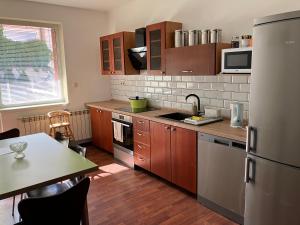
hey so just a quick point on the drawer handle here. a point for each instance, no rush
(187, 71)
(141, 159)
(139, 134)
(141, 122)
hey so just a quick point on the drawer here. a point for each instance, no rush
(142, 137)
(140, 124)
(142, 149)
(142, 161)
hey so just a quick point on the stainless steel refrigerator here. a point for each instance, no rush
(272, 171)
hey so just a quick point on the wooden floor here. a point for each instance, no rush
(122, 196)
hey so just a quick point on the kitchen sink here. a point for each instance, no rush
(175, 116)
(186, 118)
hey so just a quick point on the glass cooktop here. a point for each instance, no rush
(129, 109)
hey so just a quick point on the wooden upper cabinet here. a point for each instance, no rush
(195, 60)
(160, 158)
(184, 158)
(114, 54)
(159, 37)
(102, 133)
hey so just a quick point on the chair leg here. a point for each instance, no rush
(70, 132)
(13, 206)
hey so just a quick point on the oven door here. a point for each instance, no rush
(237, 60)
(127, 130)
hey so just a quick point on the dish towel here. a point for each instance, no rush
(118, 132)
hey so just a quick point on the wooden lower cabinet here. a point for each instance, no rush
(160, 158)
(102, 132)
(184, 158)
(173, 154)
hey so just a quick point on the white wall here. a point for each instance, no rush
(81, 29)
(232, 16)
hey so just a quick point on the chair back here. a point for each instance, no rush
(10, 134)
(59, 117)
(63, 208)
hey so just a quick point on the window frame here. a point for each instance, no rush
(60, 54)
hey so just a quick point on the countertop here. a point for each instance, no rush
(221, 129)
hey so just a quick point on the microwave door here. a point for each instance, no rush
(237, 61)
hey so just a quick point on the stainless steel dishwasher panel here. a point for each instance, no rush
(221, 175)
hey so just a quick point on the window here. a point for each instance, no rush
(31, 65)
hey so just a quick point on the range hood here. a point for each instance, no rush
(138, 55)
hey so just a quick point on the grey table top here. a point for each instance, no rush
(46, 161)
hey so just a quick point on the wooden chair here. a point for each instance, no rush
(63, 208)
(60, 122)
(13, 133)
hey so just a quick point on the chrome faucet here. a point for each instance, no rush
(198, 101)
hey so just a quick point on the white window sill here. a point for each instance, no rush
(34, 106)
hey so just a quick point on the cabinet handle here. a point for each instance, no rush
(140, 147)
(187, 71)
(173, 129)
(162, 72)
(141, 159)
(167, 127)
(100, 111)
(139, 134)
(141, 122)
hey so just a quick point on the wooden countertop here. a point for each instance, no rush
(221, 129)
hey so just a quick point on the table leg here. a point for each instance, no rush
(85, 215)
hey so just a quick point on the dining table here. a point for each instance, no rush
(46, 162)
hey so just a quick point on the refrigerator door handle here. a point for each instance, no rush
(251, 139)
(249, 170)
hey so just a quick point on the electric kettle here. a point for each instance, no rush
(236, 114)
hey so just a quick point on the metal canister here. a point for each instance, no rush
(185, 38)
(215, 35)
(205, 36)
(178, 38)
(193, 37)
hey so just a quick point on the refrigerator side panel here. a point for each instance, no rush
(273, 196)
(275, 91)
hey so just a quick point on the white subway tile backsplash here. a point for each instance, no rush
(240, 79)
(170, 91)
(231, 87)
(240, 96)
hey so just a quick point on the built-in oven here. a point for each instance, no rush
(236, 60)
(123, 138)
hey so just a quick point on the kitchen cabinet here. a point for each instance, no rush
(159, 37)
(195, 60)
(141, 143)
(114, 56)
(173, 154)
(102, 132)
(161, 150)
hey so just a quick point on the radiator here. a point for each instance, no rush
(80, 125)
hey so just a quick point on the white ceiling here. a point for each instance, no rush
(100, 5)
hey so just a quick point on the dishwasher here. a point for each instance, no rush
(220, 184)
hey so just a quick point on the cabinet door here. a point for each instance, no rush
(160, 158)
(117, 43)
(106, 131)
(105, 52)
(156, 43)
(95, 124)
(183, 154)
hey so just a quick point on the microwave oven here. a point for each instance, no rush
(236, 60)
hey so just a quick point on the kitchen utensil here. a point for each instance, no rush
(205, 36)
(178, 38)
(193, 37)
(236, 114)
(215, 35)
(185, 38)
(18, 148)
(138, 102)
(235, 42)
(246, 41)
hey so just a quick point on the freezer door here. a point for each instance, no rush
(275, 91)
(272, 193)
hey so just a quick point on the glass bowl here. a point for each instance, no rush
(18, 148)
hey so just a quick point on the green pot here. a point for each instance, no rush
(138, 102)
